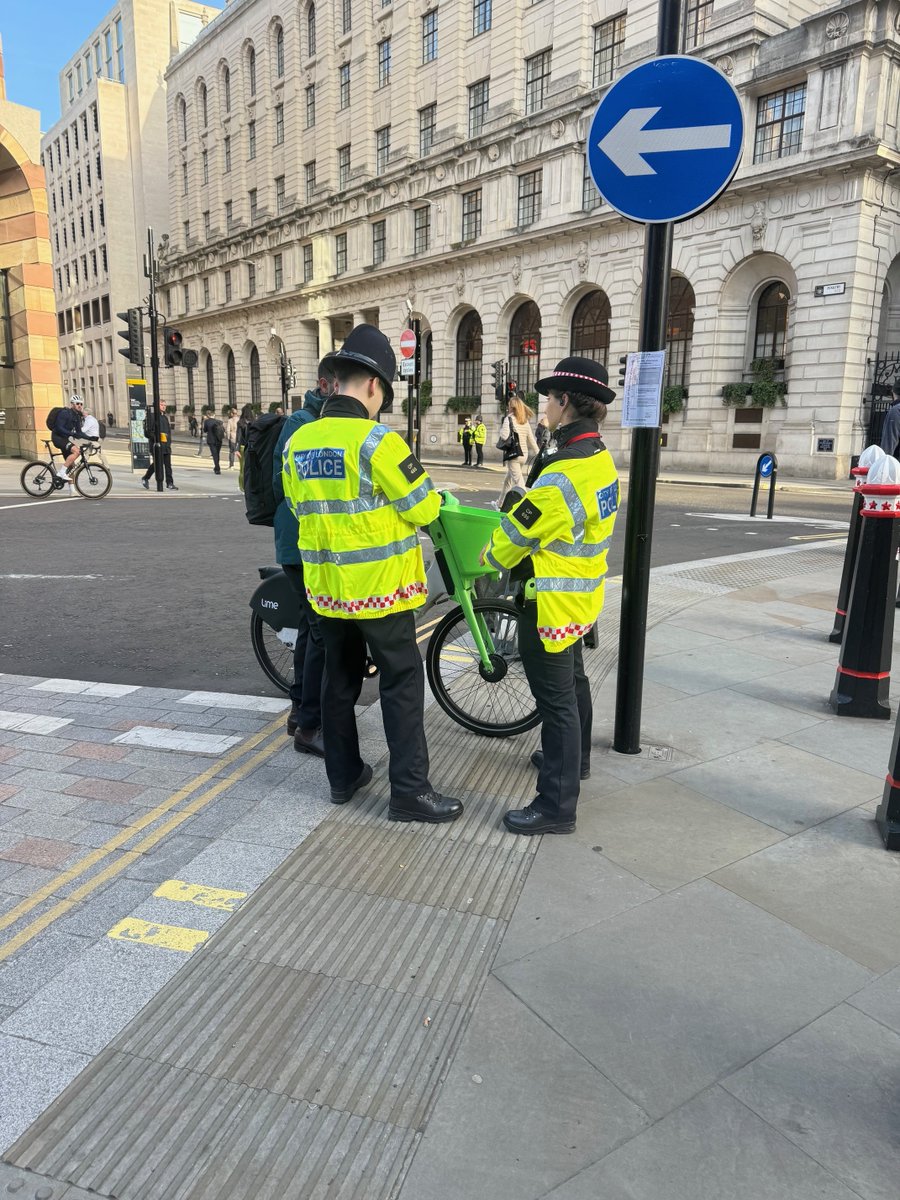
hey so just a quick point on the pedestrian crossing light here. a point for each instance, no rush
(133, 335)
(499, 370)
(172, 340)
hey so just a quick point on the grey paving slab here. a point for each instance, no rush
(862, 745)
(35, 964)
(519, 1112)
(634, 768)
(28, 1186)
(167, 859)
(701, 670)
(110, 812)
(91, 999)
(832, 1090)
(712, 1148)
(45, 825)
(37, 800)
(102, 770)
(8, 813)
(792, 647)
(805, 688)
(8, 772)
(31, 1077)
(95, 916)
(25, 880)
(282, 823)
(781, 785)
(881, 1000)
(219, 816)
(37, 760)
(668, 997)
(47, 781)
(228, 864)
(829, 881)
(569, 887)
(673, 639)
(668, 834)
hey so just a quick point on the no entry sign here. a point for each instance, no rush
(407, 343)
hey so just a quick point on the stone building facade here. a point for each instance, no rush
(346, 160)
(106, 175)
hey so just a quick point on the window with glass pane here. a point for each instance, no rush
(590, 197)
(537, 78)
(310, 106)
(187, 232)
(346, 15)
(430, 36)
(184, 179)
(779, 123)
(770, 338)
(204, 106)
(120, 50)
(251, 280)
(343, 166)
(279, 52)
(279, 271)
(251, 71)
(340, 253)
(206, 225)
(6, 350)
(107, 38)
(229, 213)
(231, 380)
(344, 85)
(311, 31)
(427, 126)
(251, 140)
(228, 292)
(525, 346)
(471, 215)
(210, 386)
(590, 327)
(479, 96)
(421, 230)
(309, 174)
(481, 16)
(307, 263)
(530, 197)
(204, 159)
(469, 356)
(382, 149)
(186, 299)
(279, 124)
(206, 291)
(182, 121)
(384, 63)
(227, 148)
(696, 20)
(679, 333)
(280, 199)
(379, 242)
(226, 88)
(609, 38)
(254, 203)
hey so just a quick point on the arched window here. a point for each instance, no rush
(525, 346)
(231, 376)
(468, 356)
(770, 339)
(204, 106)
(210, 386)
(679, 332)
(182, 118)
(190, 386)
(427, 356)
(311, 30)
(590, 327)
(251, 71)
(226, 89)
(279, 52)
(255, 381)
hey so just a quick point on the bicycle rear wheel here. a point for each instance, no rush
(273, 653)
(37, 479)
(92, 481)
(495, 704)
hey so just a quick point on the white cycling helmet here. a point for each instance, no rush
(76, 399)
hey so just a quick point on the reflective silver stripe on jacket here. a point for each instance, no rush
(416, 496)
(556, 584)
(326, 508)
(366, 453)
(580, 549)
(565, 485)
(367, 554)
(519, 539)
(489, 558)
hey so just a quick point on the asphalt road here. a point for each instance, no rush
(154, 590)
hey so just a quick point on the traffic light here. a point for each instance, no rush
(499, 370)
(623, 367)
(511, 388)
(172, 341)
(133, 334)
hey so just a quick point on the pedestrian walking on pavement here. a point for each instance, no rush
(516, 440)
(359, 494)
(563, 527)
(304, 723)
(214, 432)
(244, 421)
(890, 430)
(479, 437)
(465, 438)
(162, 437)
(192, 425)
(231, 433)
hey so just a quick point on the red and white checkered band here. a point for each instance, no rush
(377, 603)
(551, 633)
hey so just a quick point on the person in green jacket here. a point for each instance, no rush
(479, 437)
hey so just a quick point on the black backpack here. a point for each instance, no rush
(259, 464)
(51, 417)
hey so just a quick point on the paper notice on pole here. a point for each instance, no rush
(643, 390)
(407, 366)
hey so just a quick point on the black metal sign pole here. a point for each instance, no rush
(417, 329)
(156, 448)
(644, 460)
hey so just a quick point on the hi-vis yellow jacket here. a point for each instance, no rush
(358, 495)
(565, 524)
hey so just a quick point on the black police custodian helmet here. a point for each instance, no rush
(367, 347)
(576, 374)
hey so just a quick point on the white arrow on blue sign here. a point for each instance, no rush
(766, 464)
(666, 139)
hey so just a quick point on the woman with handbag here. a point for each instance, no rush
(516, 440)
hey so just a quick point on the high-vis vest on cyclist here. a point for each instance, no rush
(565, 524)
(358, 495)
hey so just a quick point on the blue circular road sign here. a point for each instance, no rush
(666, 139)
(766, 463)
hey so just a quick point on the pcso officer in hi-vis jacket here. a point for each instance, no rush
(358, 495)
(563, 527)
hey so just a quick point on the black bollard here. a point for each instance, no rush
(864, 670)
(888, 815)
(850, 553)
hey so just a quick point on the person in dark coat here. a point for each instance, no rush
(890, 430)
(164, 439)
(214, 431)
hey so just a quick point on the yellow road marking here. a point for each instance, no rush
(129, 856)
(170, 937)
(196, 893)
(425, 631)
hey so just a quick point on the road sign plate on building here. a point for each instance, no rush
(407, 343)
(666, 139)
(407, 367)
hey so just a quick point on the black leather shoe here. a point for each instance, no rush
(537, 760)
(170, 487)
(342, 795)
(309, 741)
(146, 483)
(430, 807)
(293, 720)
(530, 821)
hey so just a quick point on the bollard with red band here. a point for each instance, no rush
(887, 817)
(867, 459)
(864, 669)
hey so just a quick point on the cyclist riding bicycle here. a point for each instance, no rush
(69, 425)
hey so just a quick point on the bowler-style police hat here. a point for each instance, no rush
(367, 347)
(576, 374)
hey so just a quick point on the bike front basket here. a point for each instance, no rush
(462, 534)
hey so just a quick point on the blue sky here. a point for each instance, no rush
(38, 37)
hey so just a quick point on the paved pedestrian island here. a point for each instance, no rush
(694, 997)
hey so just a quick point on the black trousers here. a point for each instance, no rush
(309, 656)
(479, 450)
(215, 449)
(392, 644)
(563, 697)
(467, 454)
(166, 455)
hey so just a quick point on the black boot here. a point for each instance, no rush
(293, 719)
(342, 795)
(537, 760)
(430, 807)
(530, 821)
(309, 741)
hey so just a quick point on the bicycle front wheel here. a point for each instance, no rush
(274, 651)
(37, 479)
(495, 703)
(92, 481)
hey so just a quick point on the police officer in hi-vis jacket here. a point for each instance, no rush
(358, 495)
